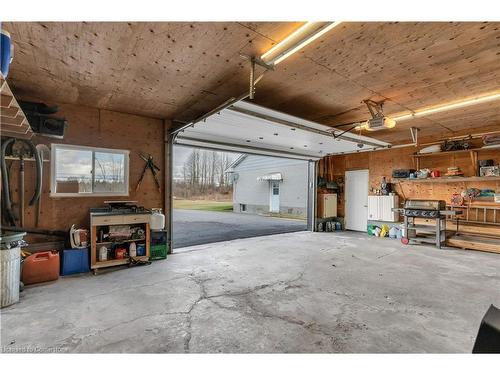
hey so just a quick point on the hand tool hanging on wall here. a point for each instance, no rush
(19, 148)
(151, 166)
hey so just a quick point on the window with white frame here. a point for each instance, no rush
(84, 171)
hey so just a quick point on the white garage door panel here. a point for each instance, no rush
(237, 146)
(243, 130)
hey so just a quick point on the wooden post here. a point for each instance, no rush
(473, 158)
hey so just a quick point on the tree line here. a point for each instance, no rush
(203, 174)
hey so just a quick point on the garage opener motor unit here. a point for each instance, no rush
(378, 121)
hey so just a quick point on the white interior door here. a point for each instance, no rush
(274, 200)
(356, 200)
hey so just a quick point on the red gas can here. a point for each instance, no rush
(40, 267)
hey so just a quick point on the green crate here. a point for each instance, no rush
(157, 252)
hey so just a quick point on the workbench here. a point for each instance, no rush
(102, 221)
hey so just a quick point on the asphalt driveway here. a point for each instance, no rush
(196, 227)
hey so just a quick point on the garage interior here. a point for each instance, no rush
(399, 123)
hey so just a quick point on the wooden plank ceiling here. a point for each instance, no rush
(181, 70)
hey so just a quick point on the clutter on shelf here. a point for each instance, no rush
(403, 173)
(458, 144)
(490, 171)
(491, 140)
(385, 187)
(430, 149)
(454, 171)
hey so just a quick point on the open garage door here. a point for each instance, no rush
(251, 129)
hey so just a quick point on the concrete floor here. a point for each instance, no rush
(195, 227)
(300, 292)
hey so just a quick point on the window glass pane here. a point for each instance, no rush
(109, 172)
(73, 171)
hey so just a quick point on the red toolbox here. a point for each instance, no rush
(40, 267)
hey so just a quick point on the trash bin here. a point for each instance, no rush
(10, 265)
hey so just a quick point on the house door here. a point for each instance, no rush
(356, 200)
(274, 200)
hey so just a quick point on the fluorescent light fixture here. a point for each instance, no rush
(484, 98)
(297, 40)
(361, 125)
(450, 106)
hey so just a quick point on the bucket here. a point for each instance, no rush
(6, 52)
(10, 265)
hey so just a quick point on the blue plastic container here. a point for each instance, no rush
(141, 250)
(5, 52)
(74, 261)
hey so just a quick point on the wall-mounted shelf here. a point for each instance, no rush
(116, 262)
(121, 241)
(455, 152)
(472, 152)
(449, 180)
(12, 120)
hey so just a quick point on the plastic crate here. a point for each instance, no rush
(157, 252)
(74, 261)
(158, 237)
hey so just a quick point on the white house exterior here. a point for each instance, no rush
(263, 184)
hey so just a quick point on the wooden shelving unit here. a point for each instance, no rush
(447, 180)
(455, 152)
(102, 220)
(122, 241)
(472, 151)
(12, 119)
(476, 229)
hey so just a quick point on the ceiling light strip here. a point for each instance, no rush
(449, 106)
(297, 40)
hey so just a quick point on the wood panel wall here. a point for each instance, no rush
(97, 128)
(381, 163)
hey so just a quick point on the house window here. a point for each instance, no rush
(243, 207)
(88, 171)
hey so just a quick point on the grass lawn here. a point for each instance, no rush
(203, 205)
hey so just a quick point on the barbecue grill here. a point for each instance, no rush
(425, 209)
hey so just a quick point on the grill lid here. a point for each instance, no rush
(425, 204)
